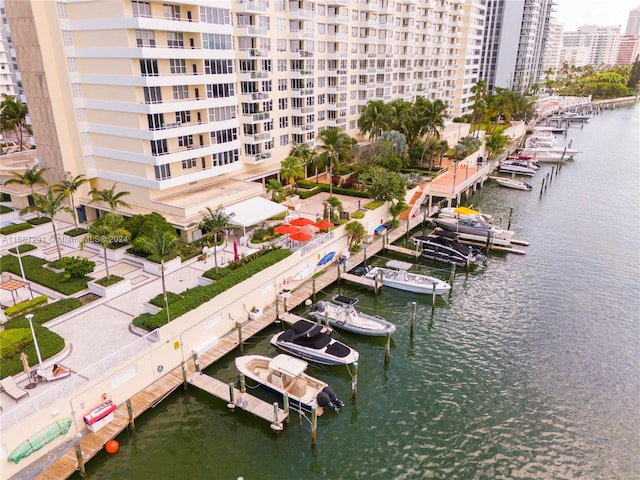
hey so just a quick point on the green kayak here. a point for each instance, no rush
(40, 439)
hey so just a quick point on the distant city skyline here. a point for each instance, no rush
(575, 13)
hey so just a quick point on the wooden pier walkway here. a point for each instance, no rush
(245, 401)
(415, 253)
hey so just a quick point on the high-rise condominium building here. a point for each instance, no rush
(9, 74)
(591, 45)
(551, 57)
(628, 50)
(633, 22)
(183, 103)
(515, 36)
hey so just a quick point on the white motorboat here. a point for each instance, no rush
(463, 212)
(285, 375)
(544, 155)
(346, 317)
(472, 225)
(398, 277)
(512, 183)
(517, 167)
(576, 117)
(311, 341)
(442, 246)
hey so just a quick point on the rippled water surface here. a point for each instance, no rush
(530, 370)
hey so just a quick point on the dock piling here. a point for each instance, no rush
(354, 382)
(232, 396)
(130, 413)
(240, 342)
(243, 385)
(196, 362)
(542, 188)
(452, 275)
(314, 424)
(184, 374)
(510, 215)
(285, 406)
(433, 297)
(413, 318)
(80, 458)
(387, 349)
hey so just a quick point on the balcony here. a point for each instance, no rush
(257, 117)
(303, 92)
(301, 35)
(301, 13)
(252, 6)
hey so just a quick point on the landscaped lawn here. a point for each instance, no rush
(33, 271)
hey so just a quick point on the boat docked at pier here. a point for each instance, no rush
(285, 375)
(346, 317)
(512, 183)
(462, 212)
(397, 276)
(472, 225)
(516, 166)
(443, 247)
(313, 342)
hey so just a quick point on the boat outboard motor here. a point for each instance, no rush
(328, 399)
(319, 307)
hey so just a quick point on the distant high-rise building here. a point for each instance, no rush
(551, 56)
(591, 45)
(633, 22)
(628, 50)
(515, 37)
(9, 74)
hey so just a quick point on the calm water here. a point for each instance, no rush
(530, 369)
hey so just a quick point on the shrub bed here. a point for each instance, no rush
(338, 190)
(5, 209)
(158, 300)
(34, 272)
(110, 280)
(195, 297)
(76, 232)
(25, 247)
(26, 306)
(16, 227)
(39, 220)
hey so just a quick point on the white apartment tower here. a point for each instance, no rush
(591, 45)
(9, 74)
(181, 102)
(515, 37)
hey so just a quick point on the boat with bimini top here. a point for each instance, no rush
(396, 276)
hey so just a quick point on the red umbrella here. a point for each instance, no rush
(324, 224)
(300, 237)
(301, 221)
(286, 229)
(236, 257)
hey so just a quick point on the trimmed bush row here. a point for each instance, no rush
(16, 227)
(33, 271)
(39, 220)
(75, 232)
(339, 190)
(5, 209)
(195, 297)
(25, 306)
(25, 247)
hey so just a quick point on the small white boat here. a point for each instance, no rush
(576, 117)
(346, 317)
(398, 277)
(286, 375)
(514, 166)
(544, 154)
(463, 212)
(512, 183)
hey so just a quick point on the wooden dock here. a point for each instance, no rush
(415, 253)
(245, 401)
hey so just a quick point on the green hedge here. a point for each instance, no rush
(47, 312)
(26, 306)
(13, 341)
(158, 300)
(195, 297)
(39, 220)
(110, 280)
(25, 247)
(5, 209)
(338, 190)
(34, 272)
(75, 232)
(16, 227)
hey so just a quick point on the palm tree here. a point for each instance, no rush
(50, 205)
(356, 233)
(164, 245)
(291, 170)
(374, 118)
(335, 146)
(105, 231)
(31, 176)
(14, 116)
(69, 186)
(434, 114)
(495, 143)
(110, 197)
(275, 187)
(304, 153)
(215, 222)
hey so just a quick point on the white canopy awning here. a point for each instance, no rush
(253, 211)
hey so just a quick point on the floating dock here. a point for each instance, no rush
(267, 411)
(405, 251)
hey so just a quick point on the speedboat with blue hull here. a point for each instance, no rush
(285, 375)
(346, 317)
(445, 248)
(313, 342)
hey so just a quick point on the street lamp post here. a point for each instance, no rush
(29, 317)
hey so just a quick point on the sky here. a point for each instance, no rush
(603, 13)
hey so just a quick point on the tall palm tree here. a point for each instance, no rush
(374, 118)
(110, 197)
(335, 146)
(304, 153)
(104, 232)
(49, 205)
(291, 169)
(275, 187)
(14, 116)
(69, 186)
(164, 245)
(495, 143)
(434, 115)
(215, 222)
(31, 176)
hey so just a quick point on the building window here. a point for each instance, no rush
(152, 95)
(62, 10)
(183, 117)
(148, 67)
(185, 141)
(180, 92)
(284, 140)
(140, 9)
(281, 45)
(145, 38)
(171, 11)
(217, 16)
(224, 136)
(221, 114)
(163, 172)
(221, 90)
(225, 158)
(215, 41)
(156, 121)
(218, 66)
(175, 40)
(283, 103)
(190, 163)
(178, 65)
(284, 122)
(159, 147)
(282, 84)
